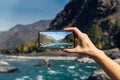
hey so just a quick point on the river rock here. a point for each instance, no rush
(99, 75)
(113, 53)
(44, 63)
(6, 67)
(117, 60)
(86, 60)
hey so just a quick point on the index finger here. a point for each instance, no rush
(75, 30)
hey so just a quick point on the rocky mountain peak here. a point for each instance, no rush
(84, 13)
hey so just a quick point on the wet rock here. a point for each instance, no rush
(99, 75)
(86, 60)
(44, 63)
(5, 67)
(113, 53)
(117, 60)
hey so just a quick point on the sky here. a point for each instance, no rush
(13, 12)
(56, 35)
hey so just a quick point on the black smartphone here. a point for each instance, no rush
(56, 39)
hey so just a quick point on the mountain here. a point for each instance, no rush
(46, 39)
(22, 34)
(69, 38)
(1, 31)
(84, 13)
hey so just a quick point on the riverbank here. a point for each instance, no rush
(59, 55)
(42, 57)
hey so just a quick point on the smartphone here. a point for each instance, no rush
(56, 39)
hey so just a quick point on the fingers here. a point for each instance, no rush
(75, 30)
(80, 36)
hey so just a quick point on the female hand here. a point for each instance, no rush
(84, 46)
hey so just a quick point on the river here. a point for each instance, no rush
(60, 70)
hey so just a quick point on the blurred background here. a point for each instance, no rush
(20, 21)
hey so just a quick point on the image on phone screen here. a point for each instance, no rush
(56, 39)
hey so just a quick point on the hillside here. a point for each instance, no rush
(69, 38)
(85, 14)
(22, 34)
(46, 39)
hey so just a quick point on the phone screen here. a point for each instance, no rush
(56, 39)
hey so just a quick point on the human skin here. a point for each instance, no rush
(86, 47)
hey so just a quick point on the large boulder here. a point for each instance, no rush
(113, 53)
(98, 75)
(5, 67)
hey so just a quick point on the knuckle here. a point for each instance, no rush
(75, 28)
(85, 35)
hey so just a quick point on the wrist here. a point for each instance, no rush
(98, 53)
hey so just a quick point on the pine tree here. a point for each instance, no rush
(95, 33)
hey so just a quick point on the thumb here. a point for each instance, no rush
(69, 50)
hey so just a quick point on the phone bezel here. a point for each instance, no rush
(55, 31)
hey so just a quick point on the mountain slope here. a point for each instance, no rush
(46, 39)
(84, 13)
(22, 34)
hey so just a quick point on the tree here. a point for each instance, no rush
(20, 48)
(116, 27)
(95, 33)
(114, 30)
(32, 46)
(12, 51)
(26, 49)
